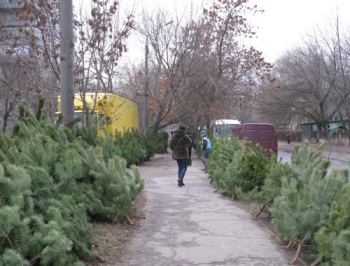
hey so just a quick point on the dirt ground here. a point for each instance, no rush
(111, 240)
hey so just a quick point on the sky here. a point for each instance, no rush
(285, 22)
(282, 25)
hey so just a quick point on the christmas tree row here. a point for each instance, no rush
(53, 181)
(309, 207)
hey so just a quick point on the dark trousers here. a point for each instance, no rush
(205, 154)
(182, 168)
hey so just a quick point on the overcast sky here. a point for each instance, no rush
(280, 27)
(285, 22)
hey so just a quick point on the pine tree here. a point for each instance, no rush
(271, 188)
(253, 168)
(224, 152)
(110, 194)
(304, 203)
(229, 177)
(11, 257)
(16, 189)
(45, 237)
(132, 149)
(8, 149)
(246, 172)
(50, 180)
(333, 239)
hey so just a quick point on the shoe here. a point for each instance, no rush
(179, 183)
(182, 182)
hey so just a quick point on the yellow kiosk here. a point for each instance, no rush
(114, 112)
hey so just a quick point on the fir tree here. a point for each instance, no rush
(44, 237)
(271, 188)
(8, 149)
(11, 257)
(253, 168)
(235, 168)
(224, 151)
(50, 180)
(132, 149)
(304, 203)
(68, 169)
(113, 189)
(334, 237)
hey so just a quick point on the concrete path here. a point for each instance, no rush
(192, 225)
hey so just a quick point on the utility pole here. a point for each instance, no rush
(146, 85)
(66, 60)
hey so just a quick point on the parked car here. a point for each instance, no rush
(262, 133)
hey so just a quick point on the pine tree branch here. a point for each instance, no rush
(129, 220)
(6, 236)
(316, 262)
(33, 260)
(262, 209)
(290, 243)
(298, 252)
(99, 258)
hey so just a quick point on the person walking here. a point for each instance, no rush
(165, 140)
(288, 138)
(206, 147)
(180, 144)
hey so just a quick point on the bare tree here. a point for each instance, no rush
(167, 83)
(311, 80)
(203, 72)
(10, 89)
(33, 43)
(101, 41)
(342, 57)
(233, 67)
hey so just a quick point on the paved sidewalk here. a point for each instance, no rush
(331, 151)
(192, 225)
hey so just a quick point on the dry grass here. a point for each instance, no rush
(110, 240)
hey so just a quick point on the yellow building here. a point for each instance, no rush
(115, 112)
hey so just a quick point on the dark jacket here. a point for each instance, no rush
(192, 139)
(179, 144)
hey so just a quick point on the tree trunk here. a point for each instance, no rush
(5, 119)
(298, 251)
(325, 130)
(262, 209)
(347, 126)
(319, 132)
(207, 126)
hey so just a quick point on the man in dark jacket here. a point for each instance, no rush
(180, 144)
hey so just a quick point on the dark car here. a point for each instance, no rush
(262, 133)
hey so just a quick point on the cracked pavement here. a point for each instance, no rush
(192, 225)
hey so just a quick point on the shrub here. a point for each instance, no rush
(305, 201)
(333, 237)
(50, 181)
(235, 166)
